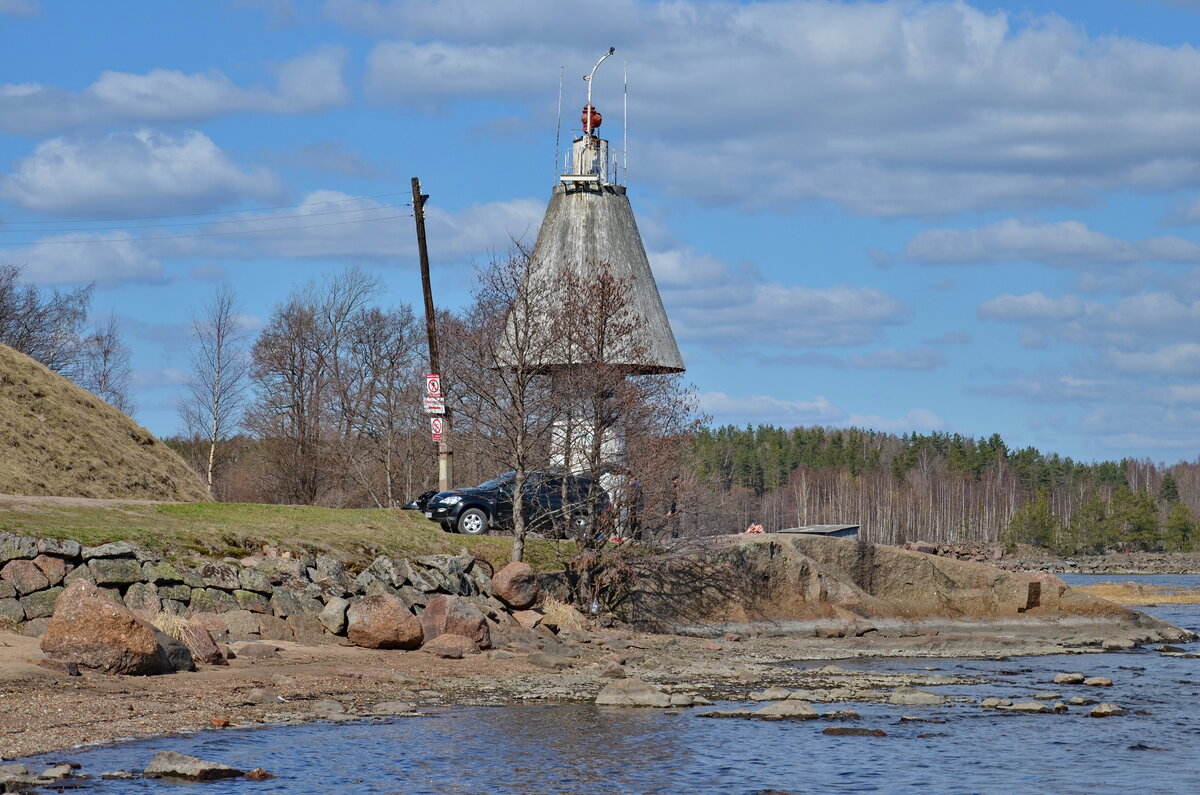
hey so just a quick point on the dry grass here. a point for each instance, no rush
(214, 530)
(58, 439)
(170, 625)
(1132, 594)
(562, 615)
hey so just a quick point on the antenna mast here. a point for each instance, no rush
(625, 125)
(558, 122)
(588, 78)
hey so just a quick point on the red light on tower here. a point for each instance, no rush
(590, 119)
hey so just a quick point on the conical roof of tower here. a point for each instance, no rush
(589, 229)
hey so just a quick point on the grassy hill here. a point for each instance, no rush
(58, 439)
(213, 530)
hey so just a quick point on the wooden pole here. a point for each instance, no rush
(445, 456)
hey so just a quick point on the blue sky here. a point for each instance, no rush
(975, 217)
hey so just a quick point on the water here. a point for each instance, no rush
(584, 749)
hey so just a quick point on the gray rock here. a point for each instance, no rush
(7, 590)
(142, 596)
(41, 604)
(256, 651)
(60, 772)
(363, 581)
(393, 708)
(176, 652)
(1068, 679)
(17, 548)
(421, 582)
(242, 624)
(393, 572)
(179, 593)
(1032, 707)
(728, 713)
(556, 662)
(791, 709)
(377, 587)
(306, 629)
(79, 573)
(632, 693)
(212, 600)
(11, 612)
(333, 616)
(286, 602)
(1106, 711)
(114, 570)
(115, 549)
(60, 548)
(262, 695)
(1118, 644)
(275, 628)
(161, 573)
(252, 601)
(36, 627)
(171, 764)
(1098, 681)
(993, 703)
(1079, 701)
(222, 576)
(256, 581)
(412, 597)
(912, 697)
(279, 570)
(330, 567)
(771, 694)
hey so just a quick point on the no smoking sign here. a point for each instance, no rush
(435, 425)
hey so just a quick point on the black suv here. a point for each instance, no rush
(473, 511)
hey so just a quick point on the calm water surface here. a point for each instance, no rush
(583, 749)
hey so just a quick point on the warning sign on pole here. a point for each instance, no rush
(435, 425)
(434, 402)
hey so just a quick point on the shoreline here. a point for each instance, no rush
(47, 711)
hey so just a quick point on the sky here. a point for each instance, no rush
(969, 217)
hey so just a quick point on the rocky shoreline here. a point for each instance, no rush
(1033, 560)
(449, 634)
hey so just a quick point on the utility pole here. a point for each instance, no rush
(445, 456)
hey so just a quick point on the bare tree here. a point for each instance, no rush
(103, 365)
(217, 386)
(503, 393)
(45, 327)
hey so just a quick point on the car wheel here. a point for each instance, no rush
(473, 522)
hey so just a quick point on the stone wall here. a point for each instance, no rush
(302, 597)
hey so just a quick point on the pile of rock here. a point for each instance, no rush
(977, 553)
(449, 601)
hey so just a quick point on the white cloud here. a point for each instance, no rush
(127, 173)
(1032, 307)
(903, 107)
(712, 303)
(307, 84)
(1180, 359)
(72, 259)
(20, 8)
(728, 409)
(1066, 243)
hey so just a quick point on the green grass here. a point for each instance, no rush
(206, 529)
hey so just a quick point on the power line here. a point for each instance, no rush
(214, 212)
(291, 228)
(203, 223)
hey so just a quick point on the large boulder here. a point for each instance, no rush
(454, 615)
(92, 631)
(516, 585)
(176, 765)
(382, 622)
(632, 693)
(200, 643)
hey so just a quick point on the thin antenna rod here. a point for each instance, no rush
(588, 124)
(558, 123)
(625, 124)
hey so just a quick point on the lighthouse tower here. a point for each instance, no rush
(588, 229)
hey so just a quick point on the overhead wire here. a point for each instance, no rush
(213, 212)
(292, 228)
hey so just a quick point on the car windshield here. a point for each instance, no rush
(496, 483)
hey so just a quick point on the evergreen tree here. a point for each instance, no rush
(1135, 517)
(1180, 534)
(1034, 523)
(1090, 530)
(1168, 492)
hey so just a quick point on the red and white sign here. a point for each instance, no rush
(435, 425)
(434, 402)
